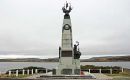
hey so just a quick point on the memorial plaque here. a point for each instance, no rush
(66, 54)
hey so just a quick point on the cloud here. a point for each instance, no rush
(33, 27)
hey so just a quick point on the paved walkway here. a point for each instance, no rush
(97, 75)
(102, 76)
(35, 76)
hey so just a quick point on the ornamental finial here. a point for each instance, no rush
(67, 8)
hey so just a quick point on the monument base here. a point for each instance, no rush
(73, 68)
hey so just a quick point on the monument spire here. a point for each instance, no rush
(69, 63)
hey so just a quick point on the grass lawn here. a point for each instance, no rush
(120, 76)
(13, 76)
(124, 74)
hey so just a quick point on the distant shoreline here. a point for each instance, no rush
(93, 59)
(56, 62)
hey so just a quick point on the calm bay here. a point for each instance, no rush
(4, 66)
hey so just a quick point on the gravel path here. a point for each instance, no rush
(98, 77)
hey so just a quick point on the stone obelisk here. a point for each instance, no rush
(69, 63)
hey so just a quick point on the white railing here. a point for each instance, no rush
(27, 72)
(101, 70)
(36, 71)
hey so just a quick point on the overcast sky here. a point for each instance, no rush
(32, 28)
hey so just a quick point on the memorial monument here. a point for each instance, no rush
(69, 55)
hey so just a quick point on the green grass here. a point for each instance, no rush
(13, 76)
(127, 74)
(120, 76)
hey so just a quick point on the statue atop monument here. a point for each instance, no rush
(67, 8)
